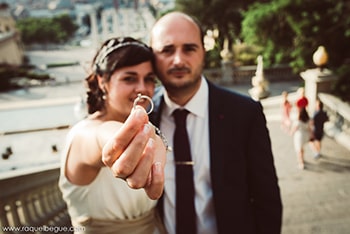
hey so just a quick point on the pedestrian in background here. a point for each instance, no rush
(301, 132)
(286, 109)
(302, 101)
(317, 124)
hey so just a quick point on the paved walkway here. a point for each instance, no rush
(316, 200)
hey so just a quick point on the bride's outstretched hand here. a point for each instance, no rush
(137, 155)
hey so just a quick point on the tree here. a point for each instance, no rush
(66, 23)
(225, 15)
(58, 29)
(291, 30)
(222, 15)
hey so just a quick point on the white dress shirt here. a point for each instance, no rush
(198, 132)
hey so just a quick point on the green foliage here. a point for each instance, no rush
(9, 74)
(288, 31)
(342, 87)
(245, 54)
(264, 25)
(291, 30)
(212, 58)
(224, 15)
(46, 30)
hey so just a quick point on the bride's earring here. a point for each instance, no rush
(104, 94)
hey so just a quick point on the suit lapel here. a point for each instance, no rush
(158, 100)
(217, 125)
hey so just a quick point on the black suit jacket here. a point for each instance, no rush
(244, 182)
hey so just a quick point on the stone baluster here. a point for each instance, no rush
(33, 200)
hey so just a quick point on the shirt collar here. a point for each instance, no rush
(198, 104)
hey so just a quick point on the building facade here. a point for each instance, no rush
(11, 49)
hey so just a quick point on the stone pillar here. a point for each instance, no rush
(127, 22)
(105, 25)
(116, 24)
(94, 28)
(316, 81)
(319, 79)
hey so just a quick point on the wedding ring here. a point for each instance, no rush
(140, 97)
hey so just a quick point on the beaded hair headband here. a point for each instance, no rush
(109, 48)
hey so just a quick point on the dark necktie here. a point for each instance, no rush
(185, 210)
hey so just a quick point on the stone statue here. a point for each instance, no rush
(260, 84)
(226, 53)
(226, 63)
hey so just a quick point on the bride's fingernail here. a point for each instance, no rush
(157, 167)
(146, 129)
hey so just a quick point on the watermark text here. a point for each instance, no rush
(49, 229)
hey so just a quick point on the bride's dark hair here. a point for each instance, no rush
(114, 53)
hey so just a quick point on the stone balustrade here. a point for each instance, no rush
(244, 74)
(32, 202)
(338, 112)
